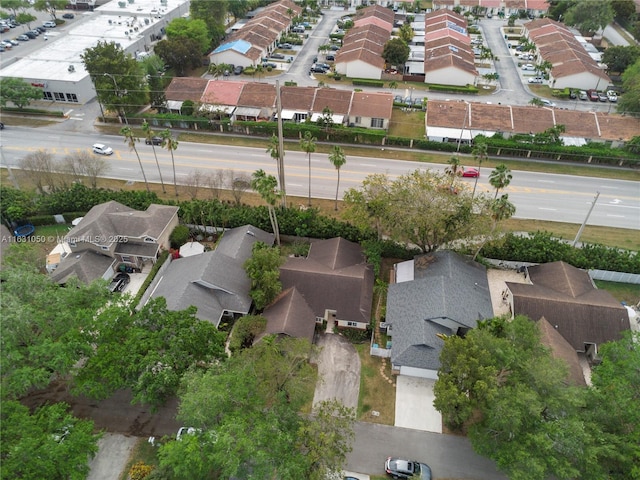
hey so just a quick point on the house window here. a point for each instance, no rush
(377, 123)
(47, 95)
(71, 97)
(352, 324)
(59, 96)
(127, 259)
(358, 119)
(319, 319)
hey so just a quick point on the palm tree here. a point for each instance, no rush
(170, 144)
(267, 187)
(337, 159)
(130, 139)
(149, 134)
(536, 102)
(308, 144)
(273, 149)
(500, 178)
(453, 169)
(479, 153)
(501, 209)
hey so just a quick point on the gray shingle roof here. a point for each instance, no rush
(213, 282)
(449, 292)
(86, 265)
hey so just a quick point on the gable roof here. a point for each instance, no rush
(259, 95)
(567, 298)
(297, 98)
(338, 101)
(449, 293)
(111, 219)
(370, 104)
(186, 88)
(290, 315)
(333, 276)
(215, 281)
(85, 265)
(561, 349)
(222, 92)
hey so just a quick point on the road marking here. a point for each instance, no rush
(617, 216)
(551, 209)
(615, 201)
(366, 165)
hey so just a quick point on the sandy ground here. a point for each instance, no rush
(498, 285)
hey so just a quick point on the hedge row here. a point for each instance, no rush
(364, 82)
(453, 88)
(541, 247)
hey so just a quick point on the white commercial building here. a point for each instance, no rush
(57, 67)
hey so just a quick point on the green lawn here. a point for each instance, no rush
(409, 124)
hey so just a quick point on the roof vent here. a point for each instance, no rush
(249, 232)
(71, 68)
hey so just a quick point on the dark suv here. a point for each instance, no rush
(118, 282)
(153, 140)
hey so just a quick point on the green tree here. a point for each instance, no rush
(50, 6)
(366, 206)
(337, 159)
(273, 149)
(180, 53)
(406, 33)
(623, 9)
(592, 19)
(148, 135)
(41, 327)
(244, 405)
(18, 92)
(214, 14)
(501, 209)
(308, 145)
(500, 178)
(247, 328)
(619, 58)
(263, 268)
(118, 78)
(453, 170)
(153, 66)
(629, 103)
(614, 407)
(480, 154)
(148, 351)
(170, 144)
(395, 52)
(544, 67)
(130, 139)
(511, 394)
(14, 7)
(192, 29)
(267, 188)
(50, 443)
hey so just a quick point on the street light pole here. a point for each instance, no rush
(121, 112)
(575, 241)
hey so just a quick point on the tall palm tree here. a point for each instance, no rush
(149, 134)
(308, 144)
(170, 144)
(130, 139)
(500, 178)
(337, 159)
(273, 149)
(453, 169)
(267, 187)
(501, 209)
(479, 153)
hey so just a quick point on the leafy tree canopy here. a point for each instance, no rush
(147, 351)
(248, 410)
(195, 30)
(118, 78)
(592, 19)
(264, 272)
(18, 92)
(418, 207)
(214, 14)
(395, 52)
(619, 58)
(50, 443)
(630, 102)
(50, 6)
(180, 53)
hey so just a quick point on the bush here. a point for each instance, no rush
(140, 471)
(245, 331)
(179, 236)
(38, 220)
(365, 82)
(453, 88)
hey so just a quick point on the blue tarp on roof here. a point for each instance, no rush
(241, 46)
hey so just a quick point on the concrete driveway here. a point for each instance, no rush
(414, 404)
(112, 457)
(338, 369)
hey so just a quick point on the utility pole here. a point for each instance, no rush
(280, 146)
(586, 219)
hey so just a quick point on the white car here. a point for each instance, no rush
(547, 103)
(49, 24)
(536, 80)
(101, 149)
(187, 431)
(528, 66)
(612, 96)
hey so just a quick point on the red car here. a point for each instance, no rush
(470, 172)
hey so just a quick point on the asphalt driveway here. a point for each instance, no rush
(338, 369)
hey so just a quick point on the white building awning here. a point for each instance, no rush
(288, 114)
(227, 109)
(453, 133)
(174, 105)
(334, 118)
(574, 141)
(247, 112)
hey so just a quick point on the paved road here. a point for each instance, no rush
(539, 196)
(449, 456)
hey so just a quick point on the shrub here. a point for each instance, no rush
(179, 236)
(140, 471)
(365, 82)
(245, 331)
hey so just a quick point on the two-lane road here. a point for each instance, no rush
(539, 196)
